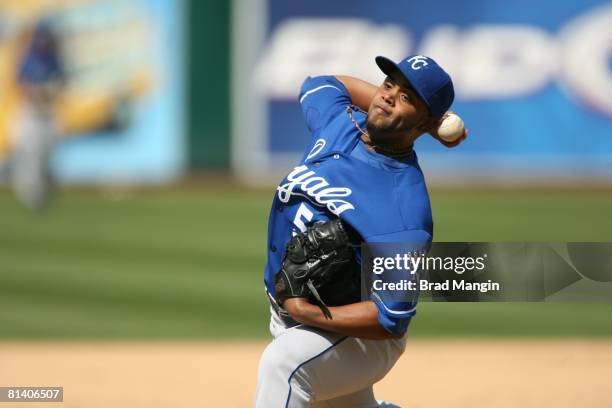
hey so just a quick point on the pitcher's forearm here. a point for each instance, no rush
(361, 92)
(356, 320)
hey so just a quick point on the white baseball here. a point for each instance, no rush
(451, 128)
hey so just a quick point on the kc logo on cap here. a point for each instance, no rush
(418, 62)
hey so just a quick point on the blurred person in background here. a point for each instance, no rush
(40, 77)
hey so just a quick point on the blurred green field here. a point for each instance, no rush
(188, 263)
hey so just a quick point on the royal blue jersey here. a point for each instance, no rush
(382, 199)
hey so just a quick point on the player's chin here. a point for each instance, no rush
(380, 135)
(377, 123)
(371, 120)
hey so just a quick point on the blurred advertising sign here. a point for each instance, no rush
(117, 105)
(533, 83)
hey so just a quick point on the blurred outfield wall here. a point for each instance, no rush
(533, 82)
(120, 117)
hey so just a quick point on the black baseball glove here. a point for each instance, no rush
(319, 264)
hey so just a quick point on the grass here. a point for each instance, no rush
(188, 263)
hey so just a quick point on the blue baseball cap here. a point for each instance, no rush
(428, 79)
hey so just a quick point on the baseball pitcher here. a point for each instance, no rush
(359, 181)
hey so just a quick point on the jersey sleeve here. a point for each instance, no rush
(321, 99)
(395, 311)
